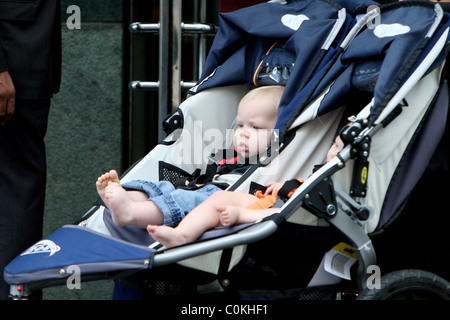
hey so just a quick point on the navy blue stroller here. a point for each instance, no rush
(375, 77)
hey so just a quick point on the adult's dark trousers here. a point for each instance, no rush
(22, 181)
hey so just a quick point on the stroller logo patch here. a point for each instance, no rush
(390, 30)
(43, 246)
(292, 21)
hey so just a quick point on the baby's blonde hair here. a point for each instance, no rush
(274, 93)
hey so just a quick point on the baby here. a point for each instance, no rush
(142, 203)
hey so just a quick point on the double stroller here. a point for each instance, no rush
(374, 75)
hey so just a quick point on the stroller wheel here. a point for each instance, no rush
(409, 285)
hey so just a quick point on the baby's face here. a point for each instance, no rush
(255, 122)
(337, 147)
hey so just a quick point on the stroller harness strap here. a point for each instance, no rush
(269, 200)
(218, 164)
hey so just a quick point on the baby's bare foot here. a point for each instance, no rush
(229, 215)
(167, 236)
(103, 181)
(119, 203)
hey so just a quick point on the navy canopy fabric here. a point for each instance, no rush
(292, 36)
(295, 34)
(390, 50)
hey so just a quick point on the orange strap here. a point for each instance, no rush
(260, 64)
(267, 201)
(292, 192)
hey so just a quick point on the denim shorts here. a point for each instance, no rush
(173, 203)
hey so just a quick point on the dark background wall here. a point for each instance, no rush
(85, 124)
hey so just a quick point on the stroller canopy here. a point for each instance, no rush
(315, 43)
(387, 51)
(270, 43)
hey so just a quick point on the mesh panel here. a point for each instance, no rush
(309, 293)
(167, 289)
(168, 172)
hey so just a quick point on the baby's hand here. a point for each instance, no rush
(272, 186)
(186, 183)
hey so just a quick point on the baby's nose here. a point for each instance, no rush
(245, 132)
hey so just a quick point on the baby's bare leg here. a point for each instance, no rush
(232, 215)
(201, 219)
(167, 236)
(131, 207)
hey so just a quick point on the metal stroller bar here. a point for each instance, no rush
(253, 234)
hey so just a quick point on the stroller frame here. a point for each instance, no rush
(317, 194)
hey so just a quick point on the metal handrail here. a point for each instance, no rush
(170, 29)
(193, 28)
(154, 85)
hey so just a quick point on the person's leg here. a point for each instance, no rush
(231, 215)
(204, 217)
(22, 181)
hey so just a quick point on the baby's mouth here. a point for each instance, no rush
(242, 146)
